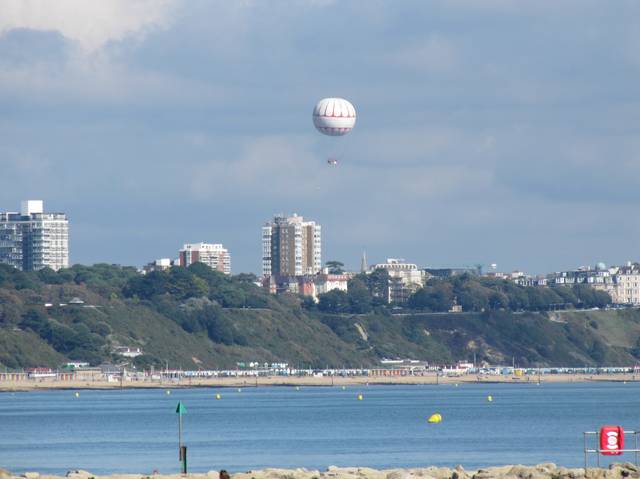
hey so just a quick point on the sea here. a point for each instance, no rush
(136, 430)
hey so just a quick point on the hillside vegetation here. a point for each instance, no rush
(198, 318)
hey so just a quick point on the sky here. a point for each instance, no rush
(498, 131)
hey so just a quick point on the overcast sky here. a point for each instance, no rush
(493, 131)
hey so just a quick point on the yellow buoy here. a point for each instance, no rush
(359, 397)
(489, 398)
(77, 395)
(218, 396)
(435, 418)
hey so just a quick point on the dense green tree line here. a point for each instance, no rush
(208, 305)
(193, 297)
(473, 293)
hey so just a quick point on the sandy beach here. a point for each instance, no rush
(541, 471)
(310, 381)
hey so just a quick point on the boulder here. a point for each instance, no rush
(459, 473)
(434, 472)
(570, 473)
(543, 471)
(622, 471)
(368, 473)
(79, 474)
(399, 474)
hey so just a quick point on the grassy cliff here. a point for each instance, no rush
(197, 318)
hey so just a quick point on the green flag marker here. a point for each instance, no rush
(182, 450)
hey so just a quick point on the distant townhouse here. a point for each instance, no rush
(325, 282)
(308, 284)
(626, 285)
(161, 264)
(32, 239)
(214, 255)
(600, 276)
(621, 282)
(531, 280)
(405, 279)
(519, 277)
(449, 272)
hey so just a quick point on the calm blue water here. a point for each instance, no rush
(136, 430)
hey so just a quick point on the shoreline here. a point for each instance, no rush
(540, 471)
(308, 381)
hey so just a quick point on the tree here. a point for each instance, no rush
(359, 297)
(498, 300)
(441, 297)
(36, 321)
(420, 300)
(49, 276)
(436, 296)
(377, 283)
(335, 267)
(335, 301)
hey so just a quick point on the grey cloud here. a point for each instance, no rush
(486, 133)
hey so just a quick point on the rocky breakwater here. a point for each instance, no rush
(541, 471)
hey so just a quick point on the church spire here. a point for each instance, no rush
(363, 262)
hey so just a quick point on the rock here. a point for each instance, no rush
(434, 472)
(459, 474)
(79, 474)
(532, 472)
(567, 473)
(622, 470)
(399, 474)
(547, 467)
(630, 466)
(501, 471)
(368, 473)
(483, 474)
(4, 473)
(31, 475)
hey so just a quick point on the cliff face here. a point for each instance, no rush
(32, 335)
(203, 319)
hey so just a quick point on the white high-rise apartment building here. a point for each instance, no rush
(291, 247)
(215, 256)
(32, 239)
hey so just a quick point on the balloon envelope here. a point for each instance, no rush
(334, 116)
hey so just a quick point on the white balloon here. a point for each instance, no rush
(334, 116)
